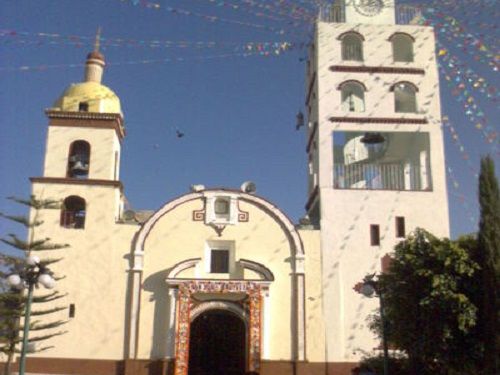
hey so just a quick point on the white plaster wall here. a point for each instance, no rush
(103, 144)
(347, 214)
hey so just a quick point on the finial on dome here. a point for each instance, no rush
(97, 40)
(95, 61)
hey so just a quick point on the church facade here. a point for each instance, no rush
(221, 281)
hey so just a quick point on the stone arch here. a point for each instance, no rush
(285, 223)
(219, 305)
(296, 253)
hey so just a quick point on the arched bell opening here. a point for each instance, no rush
(217, 343)
(78, 160)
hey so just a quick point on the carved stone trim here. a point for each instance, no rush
(243, 216)
(218, 228)
(219, 305)
(380, 120)
(199, 215)
(257, 267)
(74, 181)
(182, 266)
(376, 69)
(252, 289)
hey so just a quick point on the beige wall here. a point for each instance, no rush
(95, 274)
(103, 145)
(315, 326)
(176, 237)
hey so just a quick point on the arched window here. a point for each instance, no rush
(402, 47)
(78, 160)
(352, 47)
(405, 97)
(73, 213)
(353, 96)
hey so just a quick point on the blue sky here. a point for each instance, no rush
(237, 111)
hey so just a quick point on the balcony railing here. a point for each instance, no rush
(398, 176)
(405, 14)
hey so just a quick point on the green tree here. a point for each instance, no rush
(488, 258)
(12, 301)
(429, 315)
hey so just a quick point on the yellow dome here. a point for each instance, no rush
(98, 98)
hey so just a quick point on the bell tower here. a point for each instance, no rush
(82, 156)
(376, 153)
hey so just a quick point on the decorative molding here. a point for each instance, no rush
(391, 89)
(138, 261)
(257, 267)
(339, 87)
(187, 289)
(243, 216)
(220, 305)
(352, 32)
(83, 115)
(74, 181)
(401, 33)
(376, 69)
(311, 137)
(312, 197)
(310, 89)
(300, 264)
(182, 266)
(199, 215)
(380, 120)
(286, 224)
(218, 228)
(87, 120)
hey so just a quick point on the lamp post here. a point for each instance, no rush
(34, 273)
(369, 288)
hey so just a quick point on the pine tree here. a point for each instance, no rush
(488, 258)
(12, 301)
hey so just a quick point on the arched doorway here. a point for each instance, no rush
(217, 344)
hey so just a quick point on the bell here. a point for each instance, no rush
(372, 138)
(79, 168)
(300, 120)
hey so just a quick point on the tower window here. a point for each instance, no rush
(219, 261)
(400, 227)
(83, 107)
(78, 160)
(353, 96)
(405, 97)
(402, 47)
(352, 47)
(375, 235)
(73, 213)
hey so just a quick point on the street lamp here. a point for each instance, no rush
(370, 288)
(34, 273)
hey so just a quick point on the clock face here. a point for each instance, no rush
(369, 7)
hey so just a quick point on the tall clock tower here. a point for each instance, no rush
(376, 155)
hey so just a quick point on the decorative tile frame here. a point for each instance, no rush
(254, 305)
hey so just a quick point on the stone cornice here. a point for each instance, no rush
(376, 69)
(73, 181)
(88, 120)
(380, 120)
